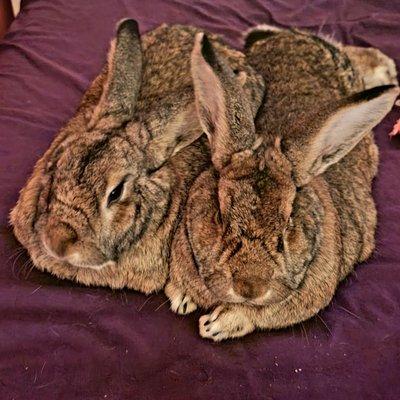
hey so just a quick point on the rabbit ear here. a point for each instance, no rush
(339, 132)
(122, 85)
(223, 108)
(182, 130)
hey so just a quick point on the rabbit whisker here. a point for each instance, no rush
(144, 303)
(350, 312)
(325, 324)
(162, 304)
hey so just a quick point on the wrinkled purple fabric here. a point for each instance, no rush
(59, 340)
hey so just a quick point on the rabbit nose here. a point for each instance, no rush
(59, 237)
(249, 288)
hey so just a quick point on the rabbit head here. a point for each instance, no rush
(257, 221)
(101, 187)
(226, 214)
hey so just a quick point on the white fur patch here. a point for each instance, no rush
(222, 324)
(179, 302)
(262, 27)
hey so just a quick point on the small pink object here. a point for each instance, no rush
(396, 129)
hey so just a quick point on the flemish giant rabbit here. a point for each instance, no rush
(102, 204)
(282, 218)
(105, 202)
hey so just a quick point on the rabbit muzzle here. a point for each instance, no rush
(256, 291)
(60, 241)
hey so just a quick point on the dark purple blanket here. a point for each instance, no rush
(59, 340)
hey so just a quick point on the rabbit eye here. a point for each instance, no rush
(217, 218)
(280, 246)
(115, 194)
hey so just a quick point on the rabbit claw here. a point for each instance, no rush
(224, 323)
(184, 305)
(180, 303)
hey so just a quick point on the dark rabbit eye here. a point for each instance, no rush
(280, 246)
(115, 194)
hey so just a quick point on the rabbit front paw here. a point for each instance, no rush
(183, 305)
(224, 323)
(180, 303)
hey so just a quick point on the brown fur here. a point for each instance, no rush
(135, 124)
(153, 143)
(311, 85)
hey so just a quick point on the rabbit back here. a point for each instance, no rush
(305, 73)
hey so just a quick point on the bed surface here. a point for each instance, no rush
(59, 340)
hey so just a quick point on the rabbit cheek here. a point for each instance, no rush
(275, 294)
(121, 218)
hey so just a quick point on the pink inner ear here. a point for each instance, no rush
(396, 129)
(210, 102)
(210, 99)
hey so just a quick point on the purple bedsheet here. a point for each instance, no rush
(59, 340)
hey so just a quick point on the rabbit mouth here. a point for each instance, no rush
(96, 267)
(272, 295)
(269, 297)
(77, 263)
(97, 262)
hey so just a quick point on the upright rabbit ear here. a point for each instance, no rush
(338, 131)
(224, 109)
(122, 85)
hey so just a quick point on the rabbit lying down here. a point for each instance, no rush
(103, 203)
(257, 220)
(273, 226)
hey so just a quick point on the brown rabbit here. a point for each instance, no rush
(225, 217)
(282, 219)
(102, 204)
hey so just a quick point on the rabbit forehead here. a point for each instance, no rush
(91, 159)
